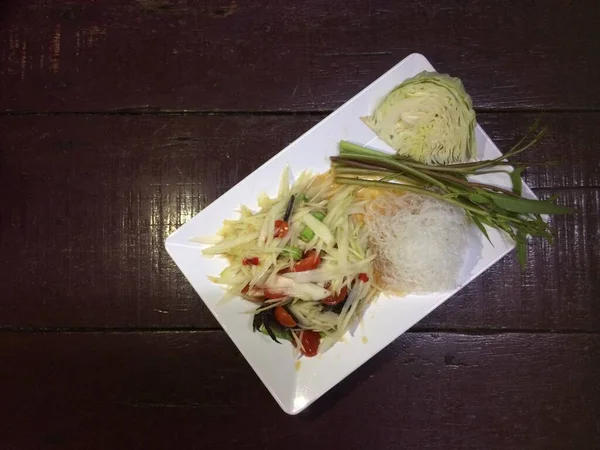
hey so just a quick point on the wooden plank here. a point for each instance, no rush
(273, 55)
(169, 142)
(194, 390)
(89, 200)
(92, 201)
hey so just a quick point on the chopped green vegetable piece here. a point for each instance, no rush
(308, 233)
(318, 215)
(293, 252)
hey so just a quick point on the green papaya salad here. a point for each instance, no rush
(303, 258)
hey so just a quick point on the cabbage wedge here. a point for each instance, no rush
(429, 118)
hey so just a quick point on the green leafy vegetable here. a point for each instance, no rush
(293, 252)
(428, 117)
(517, 181)
(479, 198)
(527, 206)
(479, 225)
(486, 205)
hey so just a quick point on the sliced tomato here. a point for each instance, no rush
(254, 261)
(284, 317)
(363, 277)
(310, 261)
(272, 293)
(310, 342)
(281, 228)
(334, 298)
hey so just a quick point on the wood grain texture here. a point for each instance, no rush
(194, 390)
(512, 362)
(90, 200)
(281, 55)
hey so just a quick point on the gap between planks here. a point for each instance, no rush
(152, 111)
(415, 330)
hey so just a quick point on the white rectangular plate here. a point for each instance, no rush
(293, 387)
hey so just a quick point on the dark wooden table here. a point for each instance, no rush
(122, 119)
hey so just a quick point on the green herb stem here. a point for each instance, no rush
(485, 204)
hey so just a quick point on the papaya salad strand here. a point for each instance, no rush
(303, 259)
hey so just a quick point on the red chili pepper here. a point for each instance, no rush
(363, 277)
(281, 228)
(254, 261)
